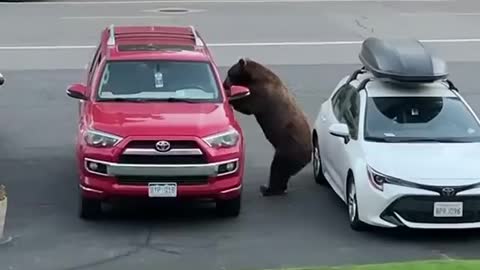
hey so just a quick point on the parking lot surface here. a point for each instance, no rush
(307, 227)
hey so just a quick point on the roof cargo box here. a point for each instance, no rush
(404, 60)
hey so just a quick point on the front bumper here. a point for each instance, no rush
(117, 169)
(399, 206)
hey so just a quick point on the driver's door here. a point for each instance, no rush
(329, 143)
(345, 110)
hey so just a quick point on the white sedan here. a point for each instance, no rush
(398, 143)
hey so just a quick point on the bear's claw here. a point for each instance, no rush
(268, 191)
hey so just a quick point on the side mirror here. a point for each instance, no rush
(77, 91)
(237, 92)
(2, 79)
(340, 130)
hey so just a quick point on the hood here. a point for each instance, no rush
(158, 119)
(426, 163)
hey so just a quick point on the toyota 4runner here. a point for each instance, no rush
(155, 121)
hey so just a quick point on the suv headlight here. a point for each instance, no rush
(223, 139)
(100, 139)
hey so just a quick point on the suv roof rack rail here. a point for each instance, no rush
(401, 60)
(111, 38)
(198, 41)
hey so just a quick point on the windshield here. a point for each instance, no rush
(400, 119)
(158, 81)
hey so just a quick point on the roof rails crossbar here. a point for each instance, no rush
(355, 74)
(198, 41)
(363, 84)
(111, 38)
(451, 86)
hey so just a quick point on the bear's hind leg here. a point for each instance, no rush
(279, 176)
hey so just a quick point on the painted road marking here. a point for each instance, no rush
(205, 1)
(244, 44)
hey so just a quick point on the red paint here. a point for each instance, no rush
(154, 121)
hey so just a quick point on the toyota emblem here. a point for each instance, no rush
(448, 191)
(162, 146)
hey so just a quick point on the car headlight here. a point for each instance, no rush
(100, 139)
(378, 180)
(223, 139)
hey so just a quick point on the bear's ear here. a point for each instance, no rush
(242, 62)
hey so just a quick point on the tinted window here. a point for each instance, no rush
(420, 118)
(158, 80)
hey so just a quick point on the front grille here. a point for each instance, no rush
(173, 144)
(162, 159)
(146, 159)
(180, 180)
(419, 209)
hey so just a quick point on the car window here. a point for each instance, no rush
(158, 80)
(350, 112)
(338, 99)
(93, 63)
(399, 119)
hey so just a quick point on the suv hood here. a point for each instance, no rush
(426, 163)
(158, 119)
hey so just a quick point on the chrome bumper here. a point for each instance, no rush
(118, 169)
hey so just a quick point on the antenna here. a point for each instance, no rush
(111, 39)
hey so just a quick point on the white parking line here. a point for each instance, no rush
(242, 44)
(204, 1)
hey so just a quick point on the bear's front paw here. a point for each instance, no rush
(268, 191)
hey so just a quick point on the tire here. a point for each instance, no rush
(355, 223)
(229, 208)
(90, 208)
(318, 175)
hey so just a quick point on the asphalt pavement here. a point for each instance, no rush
(307, 227)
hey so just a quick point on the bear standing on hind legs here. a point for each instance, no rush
(282, 121)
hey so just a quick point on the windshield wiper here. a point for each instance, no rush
(438, 140)
(171, 99)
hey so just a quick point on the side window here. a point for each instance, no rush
(95, 60)
(351, 112)
(339, 99)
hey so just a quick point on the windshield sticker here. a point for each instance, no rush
(414, 111)
(389, 134)
(158, 80)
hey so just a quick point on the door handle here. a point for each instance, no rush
(323, 118)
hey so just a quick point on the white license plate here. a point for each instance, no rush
(162, 190)
(448, 209)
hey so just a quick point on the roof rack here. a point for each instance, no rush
(198, 41)
(112, 35)
(402, 60)
(111, 38)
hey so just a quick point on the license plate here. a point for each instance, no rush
(162, 190)
(448, 209)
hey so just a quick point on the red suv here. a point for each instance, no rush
(155, 121)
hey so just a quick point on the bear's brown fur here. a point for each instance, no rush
(282, 121)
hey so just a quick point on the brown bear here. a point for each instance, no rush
(282, 121)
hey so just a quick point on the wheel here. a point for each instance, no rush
(317, 164)
(229, 208)
(352, 203)
(90, 208)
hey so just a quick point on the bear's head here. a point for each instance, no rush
(256, 78)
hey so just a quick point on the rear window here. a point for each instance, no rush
(158, 80)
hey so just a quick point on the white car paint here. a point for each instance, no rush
(428, 163)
